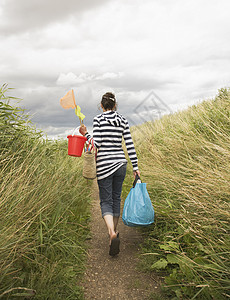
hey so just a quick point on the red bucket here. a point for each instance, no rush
(76, 145)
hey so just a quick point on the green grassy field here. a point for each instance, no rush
(44, 204)
(44, 212)
(185, 160)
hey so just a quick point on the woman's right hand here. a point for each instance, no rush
(83, 129)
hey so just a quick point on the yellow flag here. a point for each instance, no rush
(79, 113)
(68, 101)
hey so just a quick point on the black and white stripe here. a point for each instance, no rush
(108, 129)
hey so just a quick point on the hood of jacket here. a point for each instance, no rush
(112, 117)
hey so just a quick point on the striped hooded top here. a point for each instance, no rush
(108, 129)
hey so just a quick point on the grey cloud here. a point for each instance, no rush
(43, 105)
(61, 118)
(42, 39)
(24, 15)
(137, 83)
(28, 79)
(55, 118)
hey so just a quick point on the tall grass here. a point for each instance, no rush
(44, 205)
(185, 159)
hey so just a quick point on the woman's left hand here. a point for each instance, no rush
(137, 172)
(83, 129)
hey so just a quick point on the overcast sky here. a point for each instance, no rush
(165, 53)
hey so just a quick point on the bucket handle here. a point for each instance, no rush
(75, 130)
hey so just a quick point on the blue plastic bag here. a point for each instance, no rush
(138, 209)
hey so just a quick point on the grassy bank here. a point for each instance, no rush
(185, 159)
(44, 212)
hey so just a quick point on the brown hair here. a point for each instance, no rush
(108, 101)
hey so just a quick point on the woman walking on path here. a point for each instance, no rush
(108, 129)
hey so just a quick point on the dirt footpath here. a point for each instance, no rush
(117, 277)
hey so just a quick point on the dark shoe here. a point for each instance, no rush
(115, 246)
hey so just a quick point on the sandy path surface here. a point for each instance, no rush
(117, 277)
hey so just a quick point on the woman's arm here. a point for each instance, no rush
(96, 133)
(131, 149)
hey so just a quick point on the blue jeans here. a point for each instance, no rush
(110, 192)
